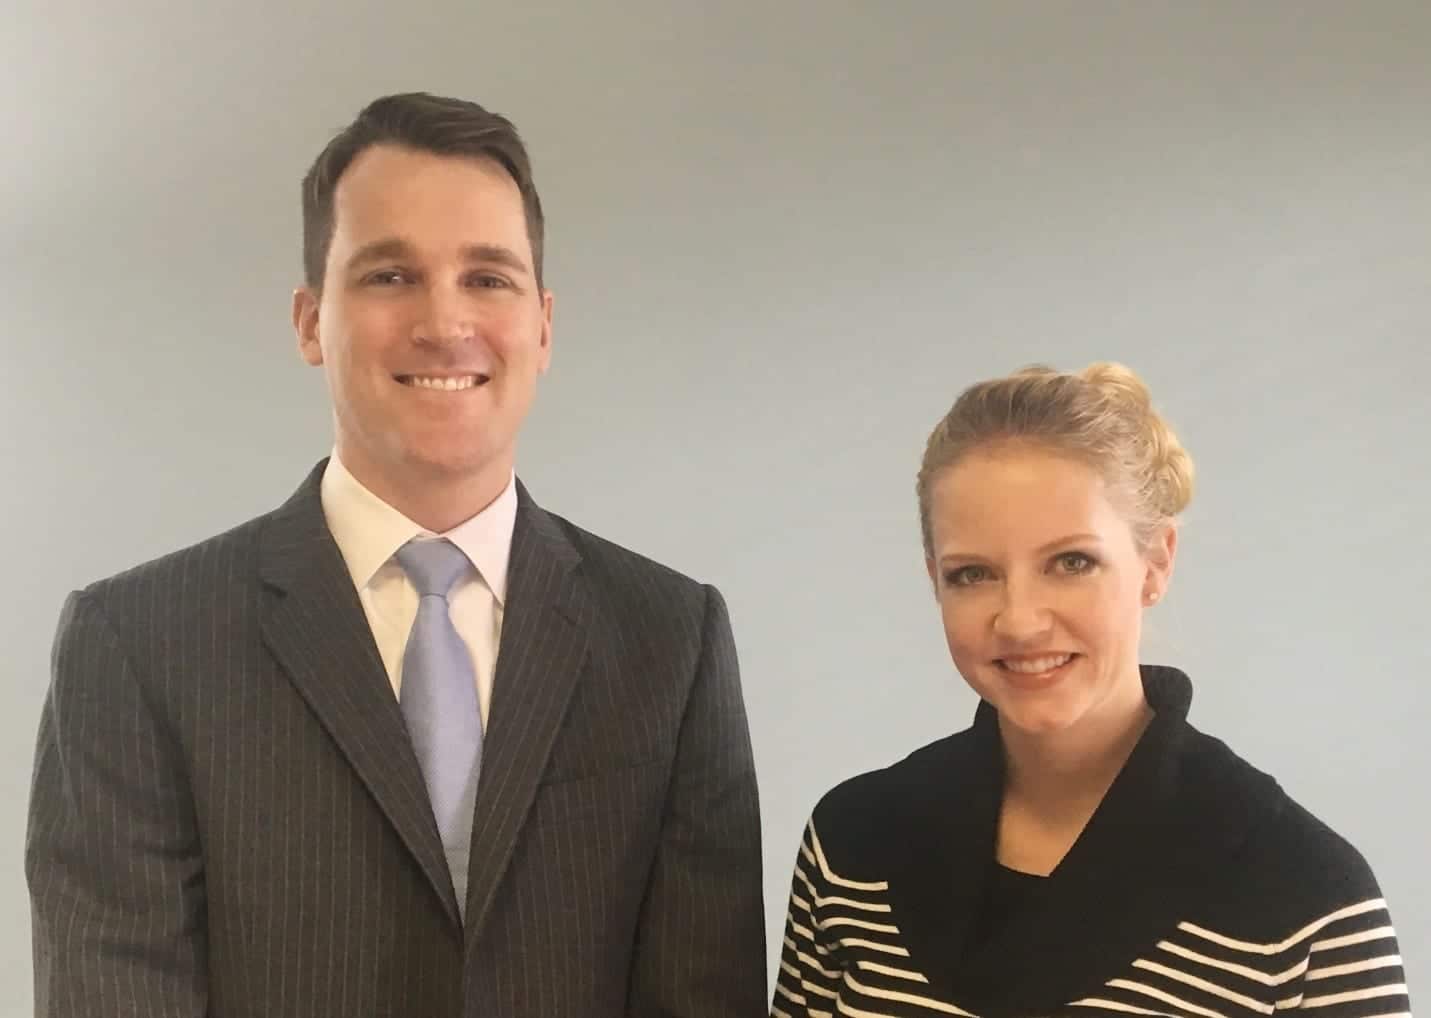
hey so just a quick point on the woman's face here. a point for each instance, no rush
(1042, 586)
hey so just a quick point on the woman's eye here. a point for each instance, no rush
(965, 576)
(1074, 563)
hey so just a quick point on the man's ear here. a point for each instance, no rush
(305, 325)
(547, 302)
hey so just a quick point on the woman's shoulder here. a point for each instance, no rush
(1286, 849)
(1309, 852)
(1297, 893)
(862, 815)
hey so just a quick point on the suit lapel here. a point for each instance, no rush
(542, 649)
(315, 626)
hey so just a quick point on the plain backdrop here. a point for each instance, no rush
(782, 236)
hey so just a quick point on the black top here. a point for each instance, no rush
(1007, 893)
(1197, 888)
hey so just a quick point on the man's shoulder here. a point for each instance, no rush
(228, 559)
(615, 566)
(224, 559)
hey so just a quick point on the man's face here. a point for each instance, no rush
(430, 327)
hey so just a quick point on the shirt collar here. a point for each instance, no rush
(369, 532)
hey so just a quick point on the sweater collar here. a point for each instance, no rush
(1177, 812)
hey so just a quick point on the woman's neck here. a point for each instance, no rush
(1054, 782)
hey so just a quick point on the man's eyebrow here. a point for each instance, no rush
(393, 247)
(378, 250)
(495, 253)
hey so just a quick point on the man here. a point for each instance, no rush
(409, 744)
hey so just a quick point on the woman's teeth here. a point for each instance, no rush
(1037, 665)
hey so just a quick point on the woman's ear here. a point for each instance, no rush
(1160, 554)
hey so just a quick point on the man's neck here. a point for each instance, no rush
(435, 500)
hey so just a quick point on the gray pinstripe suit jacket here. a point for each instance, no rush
(227, 817)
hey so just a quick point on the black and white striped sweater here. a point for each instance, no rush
(1197, 890)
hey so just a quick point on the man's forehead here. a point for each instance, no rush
(418, 200)
(387, 166)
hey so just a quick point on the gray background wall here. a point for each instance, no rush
(783, 236)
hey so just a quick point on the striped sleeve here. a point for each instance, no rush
(1342, 965)
(1354, 967)
(807, 983)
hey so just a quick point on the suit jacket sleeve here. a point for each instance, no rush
(112, 855)
(700, 948)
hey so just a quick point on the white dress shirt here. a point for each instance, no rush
(369, 532)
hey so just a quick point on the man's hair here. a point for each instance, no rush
(426, 123)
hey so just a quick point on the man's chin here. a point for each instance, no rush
(458, 466)
(443, 450)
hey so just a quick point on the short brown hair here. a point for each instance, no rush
(427, 123)
(1103, 416)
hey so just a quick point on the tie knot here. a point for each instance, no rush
(432, 566)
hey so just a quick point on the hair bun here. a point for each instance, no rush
(1166, 466)
(1119, 384)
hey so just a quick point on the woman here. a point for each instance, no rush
(1081, 849)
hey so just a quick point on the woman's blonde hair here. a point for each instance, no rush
(1103, 416)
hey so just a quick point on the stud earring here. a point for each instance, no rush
(1153, 596)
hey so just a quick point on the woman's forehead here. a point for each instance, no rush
(1021, 497)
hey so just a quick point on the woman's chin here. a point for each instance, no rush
(1038, 723)
(1047, 713)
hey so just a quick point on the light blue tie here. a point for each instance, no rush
(439, 700)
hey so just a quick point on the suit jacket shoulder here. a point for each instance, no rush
(229, 555)
(643, 610)
(612, 566)
(155, 606)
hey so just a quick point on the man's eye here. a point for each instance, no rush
(486, 281)
(386, 277)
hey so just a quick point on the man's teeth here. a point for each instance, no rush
(450, 384)
(1037, 665)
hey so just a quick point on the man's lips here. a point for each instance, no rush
(445, 382)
